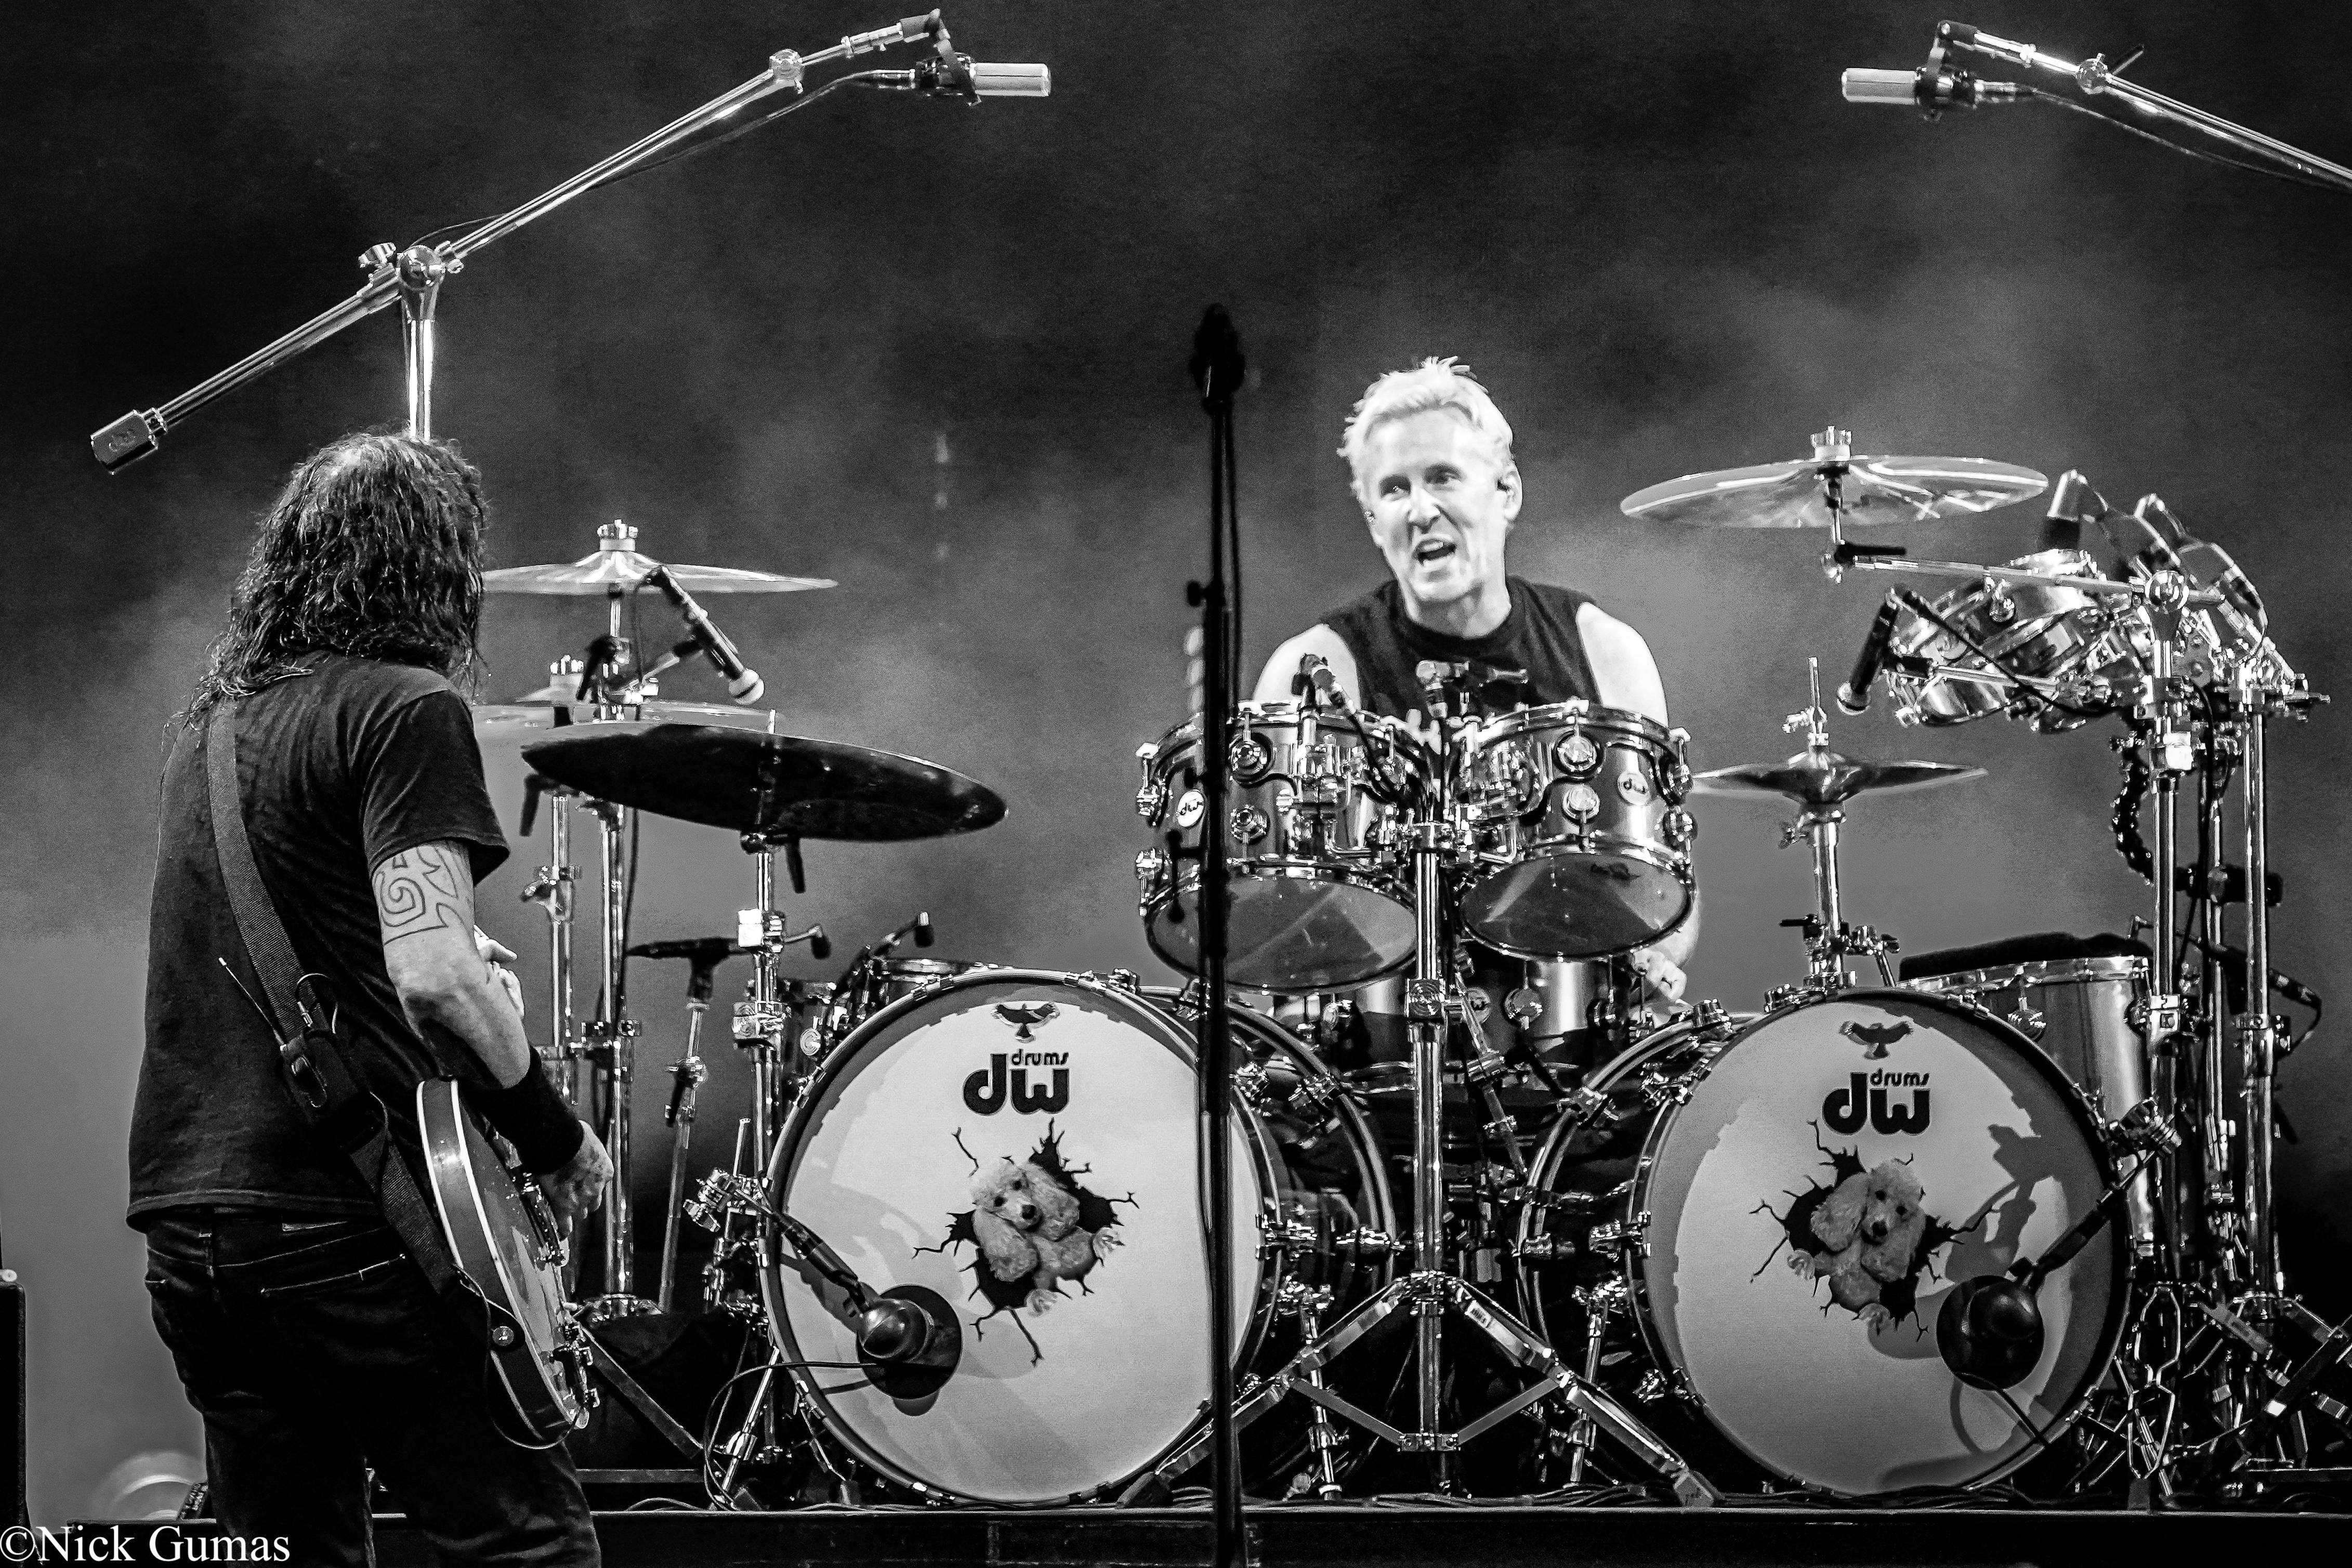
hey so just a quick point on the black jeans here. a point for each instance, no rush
(314, 1351)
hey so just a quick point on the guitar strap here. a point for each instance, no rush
(310, 1050)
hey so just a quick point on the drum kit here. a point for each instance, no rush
(1994, 1217)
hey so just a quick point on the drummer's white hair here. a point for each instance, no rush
(1434, 384)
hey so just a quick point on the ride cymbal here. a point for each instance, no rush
(1871, 491)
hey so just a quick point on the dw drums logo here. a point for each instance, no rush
(988, 1090)
(1866, 1099)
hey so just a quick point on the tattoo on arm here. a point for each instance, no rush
(428, 888)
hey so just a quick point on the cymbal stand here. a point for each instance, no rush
(762, 1022)
(1829, 940)
(1430, 1293)
(551, 888)
(610, 1043)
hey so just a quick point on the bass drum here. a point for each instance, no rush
(1024, 1145)
(1781, 1205)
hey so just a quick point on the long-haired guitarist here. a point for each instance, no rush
(309, 1340)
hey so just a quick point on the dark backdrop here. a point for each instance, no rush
(938, 355)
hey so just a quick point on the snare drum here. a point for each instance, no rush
(1321, 897)
(2096, 646)
(1580, 835)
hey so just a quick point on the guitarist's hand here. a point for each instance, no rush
(574, 1190)
(496, 957)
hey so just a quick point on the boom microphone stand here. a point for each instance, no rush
(414, 277)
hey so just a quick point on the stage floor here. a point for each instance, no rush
(1311, 1536)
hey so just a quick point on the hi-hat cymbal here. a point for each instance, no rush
(1824, 777)
(618, 566)
(780, 785)
(1872, 491)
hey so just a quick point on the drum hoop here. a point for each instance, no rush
(803, 1112)
(2091, 970)
(1288, 711)
(1589, 715)
(2071, 1094)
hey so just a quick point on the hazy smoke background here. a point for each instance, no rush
(938, 355)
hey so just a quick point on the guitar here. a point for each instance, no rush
(503, 1238)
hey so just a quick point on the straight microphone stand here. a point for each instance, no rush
(1216, 367)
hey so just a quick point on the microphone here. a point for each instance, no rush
(2234, 585)
(1315, 676)
(699, 949)
(1930, 90)
(744, 683)
(1854, 697)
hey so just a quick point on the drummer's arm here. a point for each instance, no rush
(1273, 681)
(1626, 677)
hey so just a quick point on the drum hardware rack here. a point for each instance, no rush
(2219, 1258)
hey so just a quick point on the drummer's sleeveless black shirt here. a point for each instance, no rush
(1539, 636)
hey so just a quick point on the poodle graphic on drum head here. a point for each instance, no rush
(1867, 1232)
(1032, 1225)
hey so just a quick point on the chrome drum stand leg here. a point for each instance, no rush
(1430, 1294)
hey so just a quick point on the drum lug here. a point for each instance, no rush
(1546, 1249)
(1297, 1299)
(1150, 873)
(1657, 1385)
(1582, 1107)
(1359, 1245)
(1709, 1014)
(1248, 825)
(1675, 779)
(1662, 1091)
(1250, 759)
(1279, 1237)
(1576, 754)
(1627, 1238)
(1126, 980)
(1679, 828)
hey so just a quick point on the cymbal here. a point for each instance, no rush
(539, 715)
(618, 566)
(780, 785)
(1824, 777)
(1874, 491)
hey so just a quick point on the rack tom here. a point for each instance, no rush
(1321, 894)
(1582, 843)
(2093, 647)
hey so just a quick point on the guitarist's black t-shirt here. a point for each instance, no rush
(339, 770)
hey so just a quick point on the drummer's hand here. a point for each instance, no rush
(496, 955)
(1661, 978)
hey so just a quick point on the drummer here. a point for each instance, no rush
(1428, 456)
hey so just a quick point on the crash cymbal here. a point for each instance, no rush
(1824, 777)
(534, 718)
(780, 785)
(1872, 491)
(617, 565)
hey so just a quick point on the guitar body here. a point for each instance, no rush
(502, 1237)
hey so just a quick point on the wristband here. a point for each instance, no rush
(533, 1117)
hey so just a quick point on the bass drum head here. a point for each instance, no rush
(1085, 1341)
(1885, 1108)
(1291, 930)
